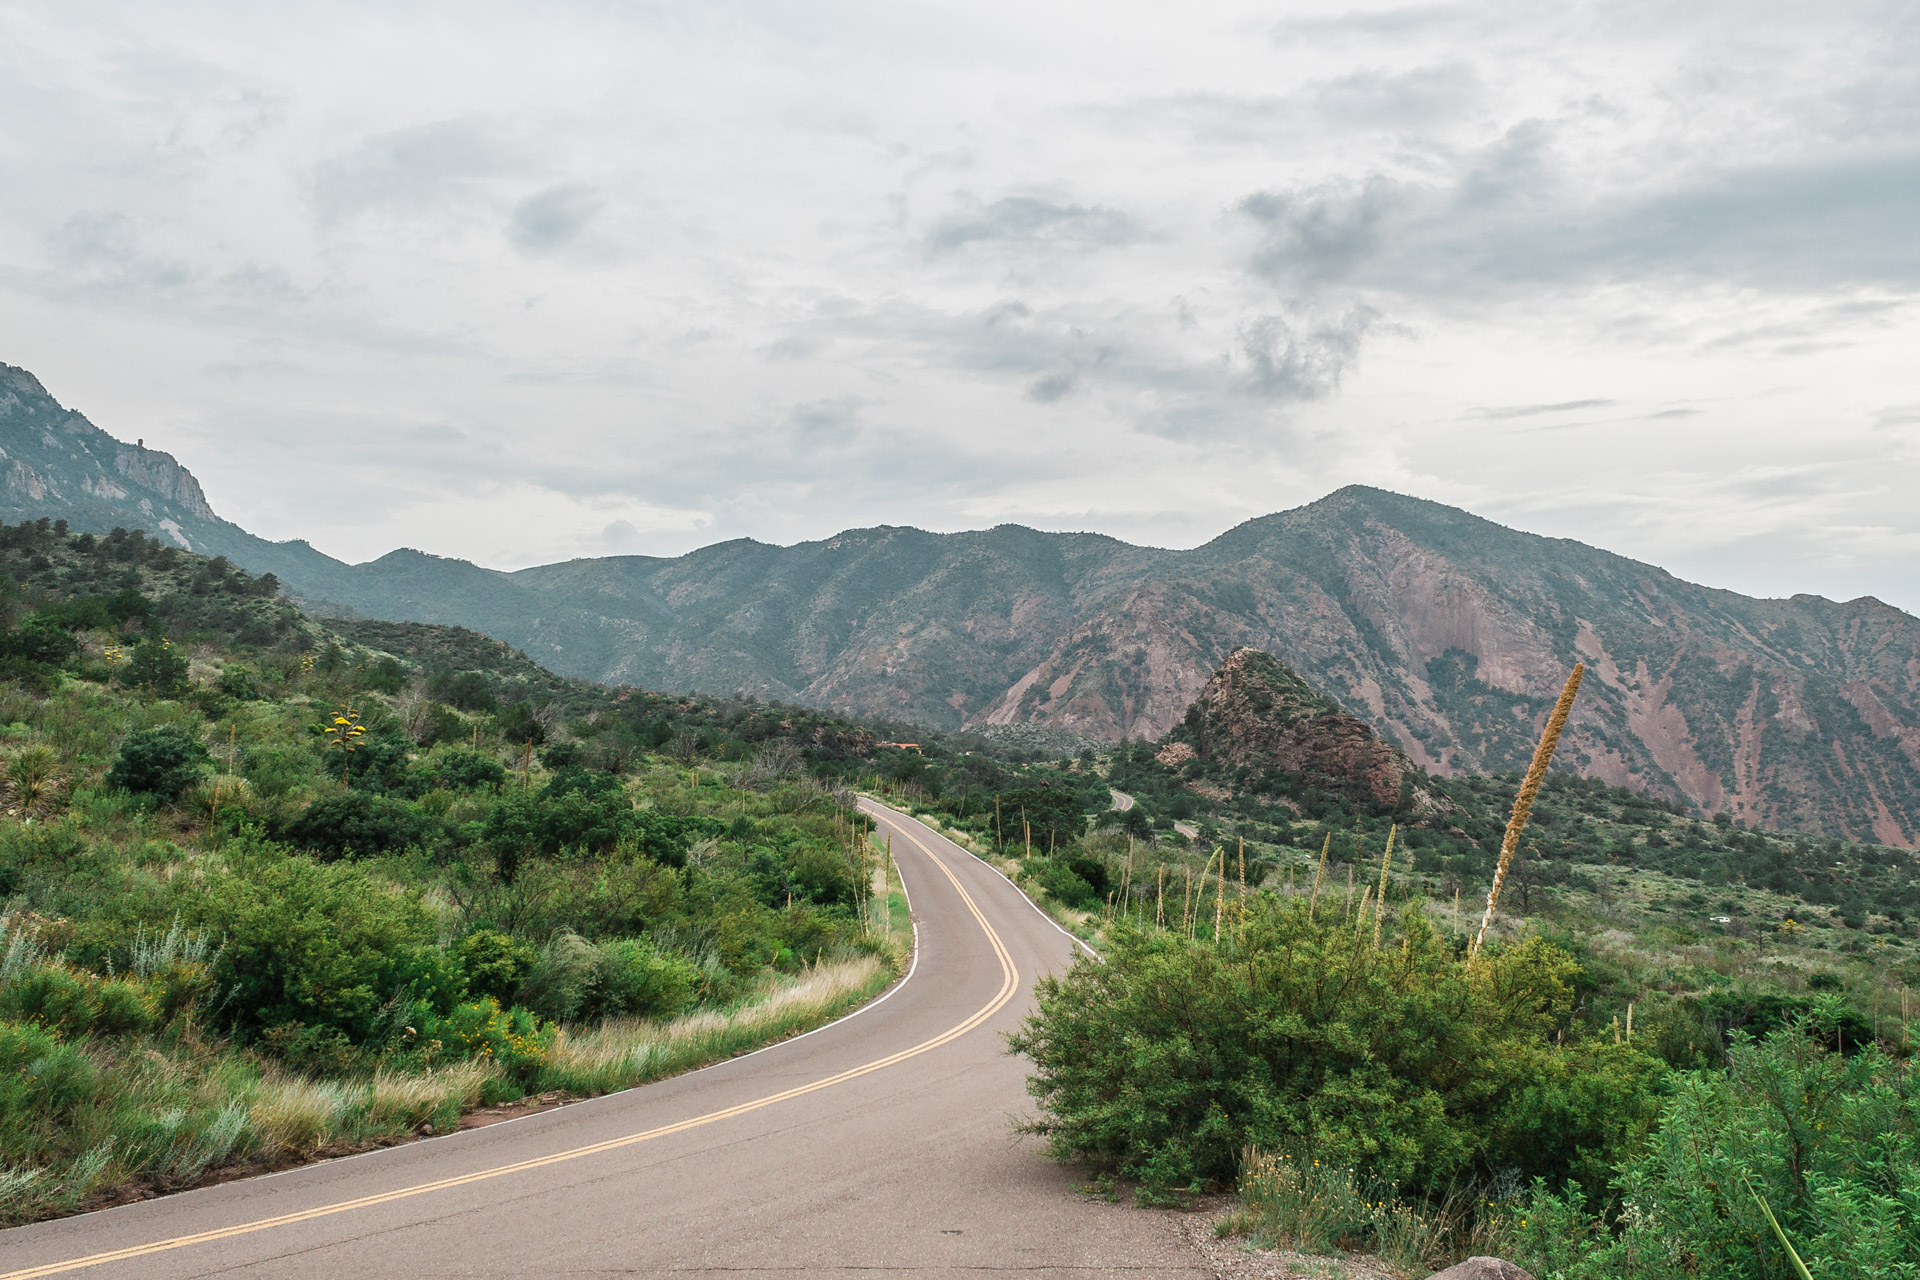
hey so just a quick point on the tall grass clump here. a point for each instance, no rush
(1296, 1201)
(620, 1053)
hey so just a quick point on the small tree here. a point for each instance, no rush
(161, 762)
(157, 666)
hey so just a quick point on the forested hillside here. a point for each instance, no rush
(1447, 633)
(269, 891)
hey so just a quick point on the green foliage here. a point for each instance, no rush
(161, 762)
(357, 823)
(514, 1038)
(1051, 815)
(321, 945)
(1167, 1060)
(158, 666)
(165, 966)
(493, 963)
(1295, 1200)
(465, 690)
(1063, 882)
(40, 639)
(576, 979)
(463, 770)
(1830, 1143)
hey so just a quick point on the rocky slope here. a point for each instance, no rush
(1449, 634)
(1258, 718)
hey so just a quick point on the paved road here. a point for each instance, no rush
(1121, 800)
(877, 1145)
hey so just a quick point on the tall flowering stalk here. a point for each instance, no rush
(1380, 908)
(1320, 873)
(1523, 803)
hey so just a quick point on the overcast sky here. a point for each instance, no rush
(523, 282)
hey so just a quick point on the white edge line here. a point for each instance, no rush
(1046, 915)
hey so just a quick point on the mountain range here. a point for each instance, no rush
(1447, 633)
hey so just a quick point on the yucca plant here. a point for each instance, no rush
(32, 779)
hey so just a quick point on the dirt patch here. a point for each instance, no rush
(1229, 1258)
(514, 1110)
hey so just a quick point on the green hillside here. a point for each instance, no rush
(270, 889)
(1445, 632)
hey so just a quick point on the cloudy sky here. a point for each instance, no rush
(517, 283)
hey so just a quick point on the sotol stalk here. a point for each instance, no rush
(1523, 803)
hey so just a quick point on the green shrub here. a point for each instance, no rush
(357, 822)
(158, 666)
(631, 978)
(39, 640)
(461, 769)
(514, 1038)
(162, 762)
(49, 995)
(557, 985)
(1062, 883)
(1831, 1142)
(1170, 1058)
(239, 681)
(493, 963)
(320, 944)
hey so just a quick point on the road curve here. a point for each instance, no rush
(879, 1144)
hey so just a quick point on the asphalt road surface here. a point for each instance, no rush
(879, 1145)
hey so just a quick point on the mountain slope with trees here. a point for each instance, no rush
(1447, 633)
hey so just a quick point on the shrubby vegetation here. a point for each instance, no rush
(1672, 1006)
(268, 890)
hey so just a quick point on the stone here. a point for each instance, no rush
(1482, 1269)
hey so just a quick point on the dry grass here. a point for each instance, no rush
(623, 1052)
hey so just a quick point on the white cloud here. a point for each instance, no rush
(515, 285)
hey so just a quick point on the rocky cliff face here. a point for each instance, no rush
(1448, 634)
(1255, 714)
(53, 462)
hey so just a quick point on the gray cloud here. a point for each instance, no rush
(1504, 412)
(553, 219)
(1420, 97)
(429, 166)
(1285, 363)
(1321, 234)
(1051, 387)
(1194, 278)
(1031, 220)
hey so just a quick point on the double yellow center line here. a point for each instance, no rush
(1009, 985)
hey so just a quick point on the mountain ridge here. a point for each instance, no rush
(1447, 632)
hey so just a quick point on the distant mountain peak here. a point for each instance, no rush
(1444, 633)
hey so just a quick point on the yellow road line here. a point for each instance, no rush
(1009, 985)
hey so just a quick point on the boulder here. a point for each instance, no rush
(1482, 1269)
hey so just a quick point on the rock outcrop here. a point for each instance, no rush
(1255, 713)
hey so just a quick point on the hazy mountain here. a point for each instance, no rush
(1449, 634)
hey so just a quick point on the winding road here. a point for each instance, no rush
(877, 1145)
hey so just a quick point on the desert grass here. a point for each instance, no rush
(163, 1113)
(1290, 1199)
(621, 1053)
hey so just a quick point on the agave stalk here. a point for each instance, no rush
(1523, 802)
(1380, 907)
(1320, 873)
